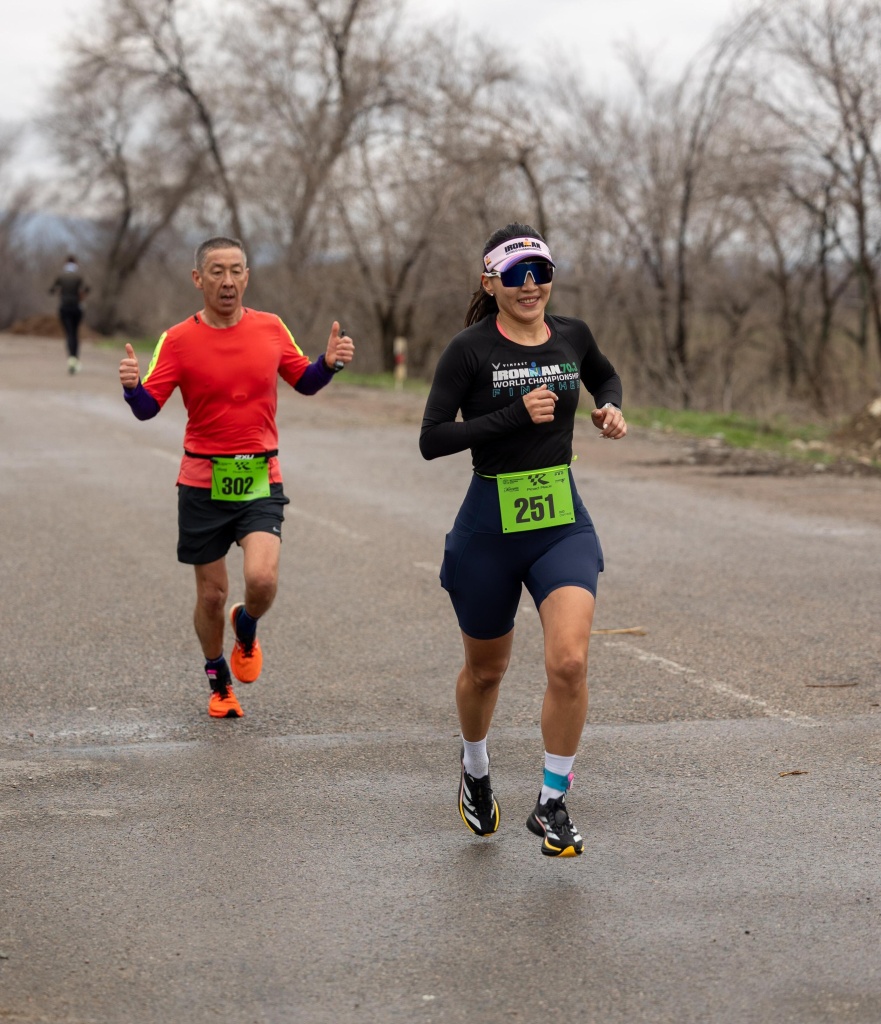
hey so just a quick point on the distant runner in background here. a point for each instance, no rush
(226, 359)
(72, 289)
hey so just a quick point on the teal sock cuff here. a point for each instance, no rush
(554, 781)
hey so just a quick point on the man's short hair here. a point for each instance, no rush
(220, 242)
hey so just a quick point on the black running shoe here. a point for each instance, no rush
(477, 805)
(551, 821)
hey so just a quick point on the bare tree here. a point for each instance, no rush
(17, 293)
(130, 166)
(825, 95)
(656, 165)
(145, 41)
(405, 203)
(313, 75)
(724, 228)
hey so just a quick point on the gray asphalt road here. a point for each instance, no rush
(307, 862)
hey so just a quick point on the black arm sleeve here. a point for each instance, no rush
(599, 376)
(441, 433)
(609, 391)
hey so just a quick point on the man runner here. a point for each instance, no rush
(226, 360)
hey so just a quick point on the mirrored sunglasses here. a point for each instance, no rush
(541, 271)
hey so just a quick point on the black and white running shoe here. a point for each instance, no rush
(477, 805)
(551, 821)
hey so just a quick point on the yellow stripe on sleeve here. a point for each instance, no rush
(154, 358)
(288, 333)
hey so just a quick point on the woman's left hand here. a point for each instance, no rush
(610, 421)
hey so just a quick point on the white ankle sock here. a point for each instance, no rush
(476, 758)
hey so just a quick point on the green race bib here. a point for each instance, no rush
(241, 478)
(535, 500)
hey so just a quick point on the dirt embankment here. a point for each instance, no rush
(862, 434)
(854, 450)
(843, 460)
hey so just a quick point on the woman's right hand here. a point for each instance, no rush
(540, 404)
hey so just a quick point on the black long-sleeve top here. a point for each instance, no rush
(485, 374)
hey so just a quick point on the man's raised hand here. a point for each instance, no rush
(129, 373)
(340, 347)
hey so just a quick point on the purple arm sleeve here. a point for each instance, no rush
(141, 402)
(314, 378)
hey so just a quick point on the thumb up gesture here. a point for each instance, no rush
(129, 373)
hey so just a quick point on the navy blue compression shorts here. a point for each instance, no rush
(484, 569)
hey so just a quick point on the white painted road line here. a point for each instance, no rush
(674, 668)
(327, 524)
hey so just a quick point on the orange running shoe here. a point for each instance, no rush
(223, 704)
(246, 660)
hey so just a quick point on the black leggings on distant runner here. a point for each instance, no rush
(70, 321)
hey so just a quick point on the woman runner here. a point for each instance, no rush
(515, 373)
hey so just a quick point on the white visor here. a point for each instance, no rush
(515, 250)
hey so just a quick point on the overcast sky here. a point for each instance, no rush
(33, 35)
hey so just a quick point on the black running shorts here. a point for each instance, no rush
(208, 528)
(484, 569)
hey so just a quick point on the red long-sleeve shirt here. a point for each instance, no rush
(228, 379)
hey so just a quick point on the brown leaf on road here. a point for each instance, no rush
(796, 772)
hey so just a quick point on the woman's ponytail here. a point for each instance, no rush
(482, 304)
